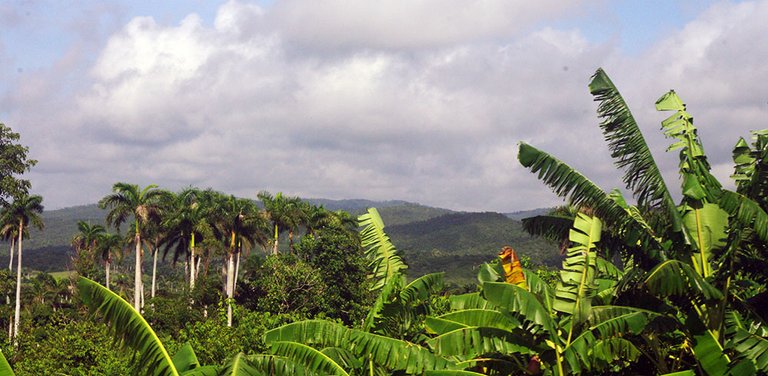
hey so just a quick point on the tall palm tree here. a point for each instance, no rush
(187, 224)
(144, 205)
(24, 210)
(284, 212)
(107, 245)
(240, 223)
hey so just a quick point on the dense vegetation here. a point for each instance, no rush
(654, 287)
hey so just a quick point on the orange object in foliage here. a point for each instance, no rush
(513, 272)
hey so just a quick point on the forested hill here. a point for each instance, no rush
(430, 239)
(456, 242)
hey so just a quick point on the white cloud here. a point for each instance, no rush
(423, 100)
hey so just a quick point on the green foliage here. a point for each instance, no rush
(338, 257)
(13, 162)
(284, 283)
(69, 347)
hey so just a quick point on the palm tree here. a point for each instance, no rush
(144, 205)
(107, 245)
(284, 212)
(241, 224)
(187, 224)
(24, 210)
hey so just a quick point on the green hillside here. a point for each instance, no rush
(455, 243)
(430, 239)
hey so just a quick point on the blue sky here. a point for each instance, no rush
(422, 101)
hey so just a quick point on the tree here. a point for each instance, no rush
(25, 210)
(241, 224)
(85, 243)
(108, 245)
(13, 161)
(143, 205)
(285, 214)
(187, 224)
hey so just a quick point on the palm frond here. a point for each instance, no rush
(128, 326)
(380, 251)
(629, 149)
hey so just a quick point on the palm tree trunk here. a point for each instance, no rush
(192, 263)
(137, 284)
(230, 290)
(10, 263)
(154, 272)
(18, 286)
(106, 268)
(230, 278)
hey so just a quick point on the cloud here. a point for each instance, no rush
(423, 101)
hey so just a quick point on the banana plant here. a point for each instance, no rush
(686, 252)
(508, 328)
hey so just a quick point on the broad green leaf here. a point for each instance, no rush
(752, 347)
(676, 278)
(475, 341)
(5, 368)
(483, 317)
(574, 293)
(185, 359)
(128, 327)
(514, 299)
(311, 358)
(239, 365)
(707, 225)
(452, 373)
(388, 352)
(709, 353)
(421, 288)
(468, 301)
(379, 250)
(746, 212)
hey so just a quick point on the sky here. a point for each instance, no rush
(417, 100)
